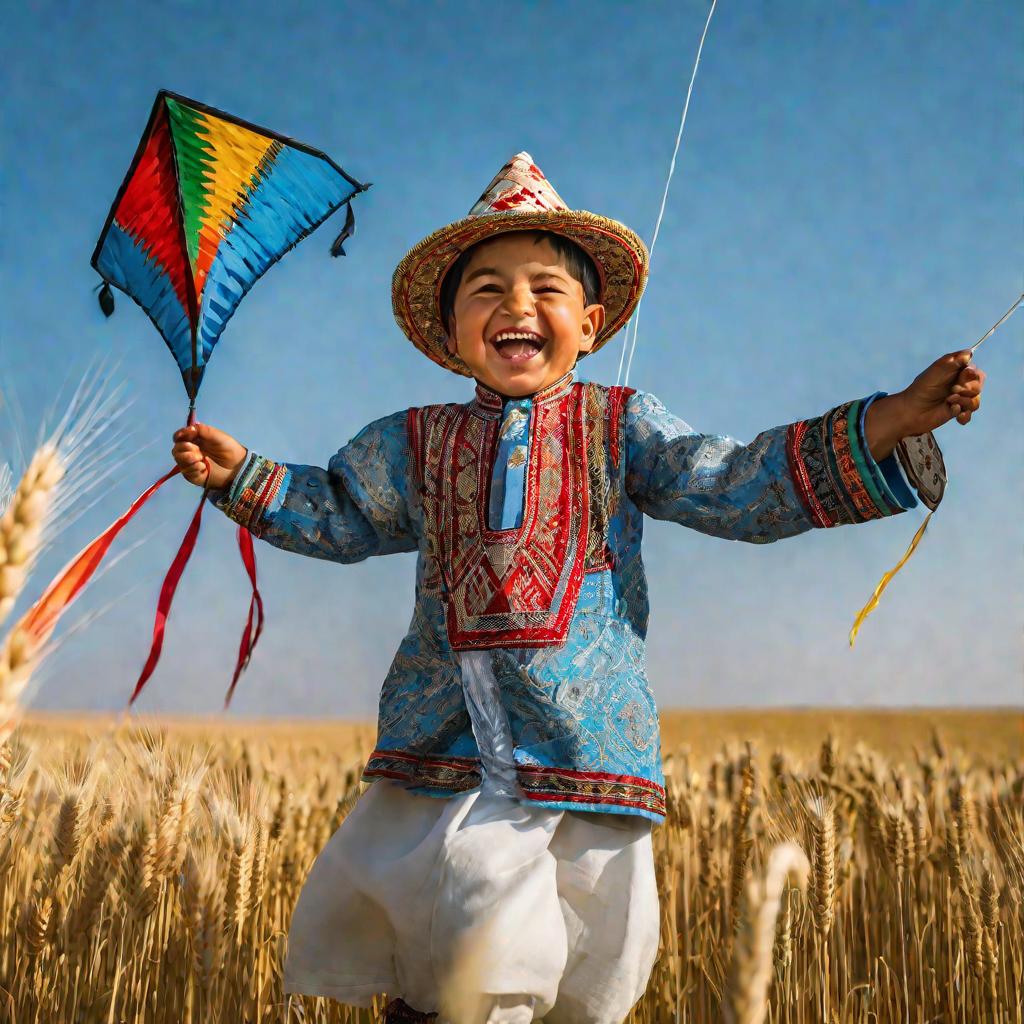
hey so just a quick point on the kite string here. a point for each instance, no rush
(664, 196)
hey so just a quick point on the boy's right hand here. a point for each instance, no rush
(222, 453)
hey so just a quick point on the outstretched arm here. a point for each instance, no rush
(352, 510)
(814, 473)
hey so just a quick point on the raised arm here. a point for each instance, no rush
(352, 510)
(789, 479)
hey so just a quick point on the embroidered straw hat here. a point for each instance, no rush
(519, 198)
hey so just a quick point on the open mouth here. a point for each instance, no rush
(518, 346)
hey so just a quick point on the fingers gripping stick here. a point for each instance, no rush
(191, 422)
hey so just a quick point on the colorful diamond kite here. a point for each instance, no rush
(209, 204)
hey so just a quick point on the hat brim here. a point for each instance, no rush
(618, 253)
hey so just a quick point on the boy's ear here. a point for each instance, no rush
(593, 321)
(450, 343)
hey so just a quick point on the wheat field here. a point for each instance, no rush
(148, 868)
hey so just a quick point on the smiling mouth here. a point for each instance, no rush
(518, 346)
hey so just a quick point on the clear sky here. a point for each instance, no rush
(846, 208)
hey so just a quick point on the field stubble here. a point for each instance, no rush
(148, 871)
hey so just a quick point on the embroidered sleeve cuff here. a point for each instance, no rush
(257, 492)
(835, 475)
(888, 474)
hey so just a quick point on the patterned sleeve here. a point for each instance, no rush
(813, 473)
(352, 510)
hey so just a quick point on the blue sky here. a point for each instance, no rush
(846, 208)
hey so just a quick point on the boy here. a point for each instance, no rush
(519, 692)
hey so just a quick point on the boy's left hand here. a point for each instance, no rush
(948, 389)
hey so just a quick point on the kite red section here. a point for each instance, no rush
(148, 210)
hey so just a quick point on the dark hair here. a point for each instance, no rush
(572, 256)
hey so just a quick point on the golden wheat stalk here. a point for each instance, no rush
(823, 841)
(742, 842)
(65, 467)
(203, 911)
(782, 952)
(37, 923)
(23, 523)
(100, 868)
(747, 997)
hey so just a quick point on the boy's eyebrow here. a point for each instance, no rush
(481, 271)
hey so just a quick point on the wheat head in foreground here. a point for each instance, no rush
(751, 974)
(28, 512)
(64, 469)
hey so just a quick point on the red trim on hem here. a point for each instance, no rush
(579, 798)
(404, 755)
(573, 773)
(651, 797)
(380, 773)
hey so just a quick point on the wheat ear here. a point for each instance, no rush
(746, 1001)
(742, 841)
(99, 871)
(63, 470)
(21, 532)
(22, 524)
(823, 835)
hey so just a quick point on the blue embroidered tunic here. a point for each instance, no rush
(528, 516)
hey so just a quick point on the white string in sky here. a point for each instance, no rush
(664, 198)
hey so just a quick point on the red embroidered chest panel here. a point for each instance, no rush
(518, 587)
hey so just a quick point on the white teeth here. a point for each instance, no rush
(517, 336)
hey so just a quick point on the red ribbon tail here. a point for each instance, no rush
(249, 634)
(39, 621)
(163, 606)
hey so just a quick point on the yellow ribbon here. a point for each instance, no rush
(886, 579)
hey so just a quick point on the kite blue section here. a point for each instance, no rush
(296, 192)
(123, 263)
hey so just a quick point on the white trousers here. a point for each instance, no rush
(551, 913)
(546, 913)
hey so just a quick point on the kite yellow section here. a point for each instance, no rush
(237, 157)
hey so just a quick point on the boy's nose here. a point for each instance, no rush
(519, 303)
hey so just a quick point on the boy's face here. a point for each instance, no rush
(515, 284)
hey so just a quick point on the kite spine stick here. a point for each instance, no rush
(190, 283)
(999, 323)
